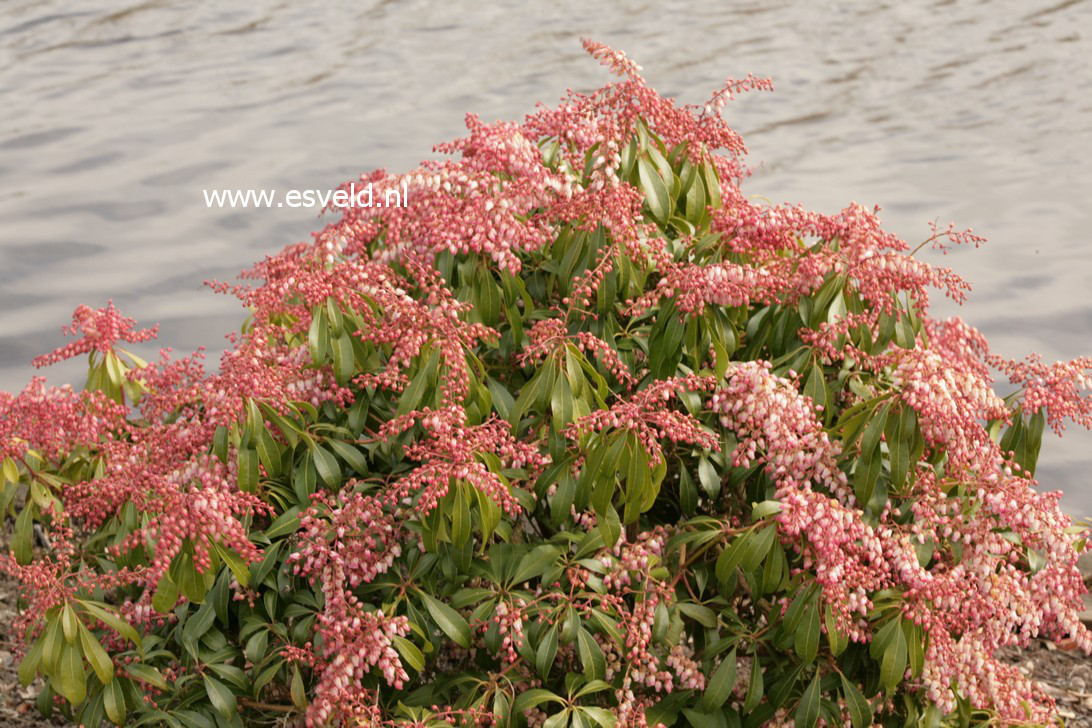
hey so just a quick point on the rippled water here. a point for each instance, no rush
(117, 115)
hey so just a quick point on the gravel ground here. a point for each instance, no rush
(1064, 674)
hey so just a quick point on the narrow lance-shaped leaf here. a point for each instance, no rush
(807, 634)
(807, 712)
(450, 622)
(860, 712)
(721, 683)
(656, 193)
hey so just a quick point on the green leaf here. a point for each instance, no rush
(269, 452)
(755, 689)
(487, 297)
(703, 719)
(712, 184)
(53, 643)
(695, 199)
(297, 691)
(546, 652)
(872, 433)
(666, 711)
(532, 393)
(1033, 442)
(775, 570)
(688, 494)
(807, 712)
(409, 652)
(837, 310)
(70, 624)
(807, 634)
(318, 336)
(708, 477)
(893, 665)
(638, 482)
(532, 699)
(221, 697)
(72, 678)
(248, 469)
(257, 646)
(560, 720)
(414, 394)
(460, 517)
(656, 194)
(838, 641)
(96, 655)
(765, 509)
(591, 655)
(700, 613)
(602, 716)
(286, 523)
(10, 471)
(816, 388)
(501, 708)
(503, 402)
(22, 544)
(334, 315)
(28, 666)
(489, 514)
(915, 646)
(197, 624)
(239, 568)
(610, 525)
(860, 712)
(327, 466)
(870, 462)
(114, 702)
(266, 675)
(289, 428)
(904, 331)
(192, 583)
(721, 683)
(899, 445)
(561, 403)
(758, 547)
(146, 674)
(1036, 561)
(536, 562)
(344, 361)
(450, 622)
(111, 619)
(351, 454)
(730, 557)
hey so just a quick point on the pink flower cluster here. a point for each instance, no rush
(450, 451)
(777, 426)
(344, 543)
(646, 414)
(99, 330)
(355, 540)
(354, 642)
(54, 421)
(548, 337)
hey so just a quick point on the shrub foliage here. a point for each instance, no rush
(581, 436)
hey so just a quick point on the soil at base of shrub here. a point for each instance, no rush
(1066, 675)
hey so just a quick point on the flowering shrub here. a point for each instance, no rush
(582, 436)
